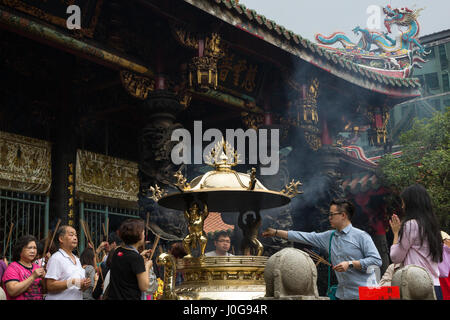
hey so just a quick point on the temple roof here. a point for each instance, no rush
(361, 183)
(215, 223)
(308, 50)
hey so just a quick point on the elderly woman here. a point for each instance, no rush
(22, 279)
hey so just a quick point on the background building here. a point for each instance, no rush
(434, 77)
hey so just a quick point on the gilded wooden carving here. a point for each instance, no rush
(25, 164)
(252, 120)
(137, 86)
(184, 37)
(106, 177)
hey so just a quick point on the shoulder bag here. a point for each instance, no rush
(331, 290)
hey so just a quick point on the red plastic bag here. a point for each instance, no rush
(379, 293)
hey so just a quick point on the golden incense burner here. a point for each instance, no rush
(222, 190)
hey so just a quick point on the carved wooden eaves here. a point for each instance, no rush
(135, 85)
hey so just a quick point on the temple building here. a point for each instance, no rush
(87, 113)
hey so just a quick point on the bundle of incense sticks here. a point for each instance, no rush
(317, 258)
(87, 233)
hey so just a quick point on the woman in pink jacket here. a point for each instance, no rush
(417, 238)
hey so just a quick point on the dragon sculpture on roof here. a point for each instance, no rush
(379, 51)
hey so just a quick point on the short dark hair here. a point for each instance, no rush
(40, 247)
(221, 233)
(61, 232)
(113, 237)
(21, 243)
(109, 258)
(130, 230)
(344, 205)
(177, 250)
(87, 257)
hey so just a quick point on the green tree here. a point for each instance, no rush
(425, 160)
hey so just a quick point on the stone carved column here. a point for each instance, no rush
(159, 107)
(155, 165)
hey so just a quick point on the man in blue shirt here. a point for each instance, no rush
(352, 250)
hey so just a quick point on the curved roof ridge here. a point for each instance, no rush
(331, 57)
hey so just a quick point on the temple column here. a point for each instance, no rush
(160, 109)
(64, 149)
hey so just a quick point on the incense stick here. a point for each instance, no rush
(104, 230)
(107, 229)
(318, 260)
(146, 224)
(317, 257)
(47, 239)
(53, 237)
(154, 247)
(9, 238)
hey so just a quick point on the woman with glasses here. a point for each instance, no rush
(22, 279)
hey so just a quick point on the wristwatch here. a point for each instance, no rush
(350, 264)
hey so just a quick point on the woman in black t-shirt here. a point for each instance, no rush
(129, 271)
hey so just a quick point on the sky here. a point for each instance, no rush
(308, 17)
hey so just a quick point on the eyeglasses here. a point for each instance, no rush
(330, 214)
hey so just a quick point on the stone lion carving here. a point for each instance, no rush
(415, 283)
(290, 272)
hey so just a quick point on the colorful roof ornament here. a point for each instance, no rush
(379, 50)
(330, 61)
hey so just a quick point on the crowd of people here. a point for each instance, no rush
(126, 271)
